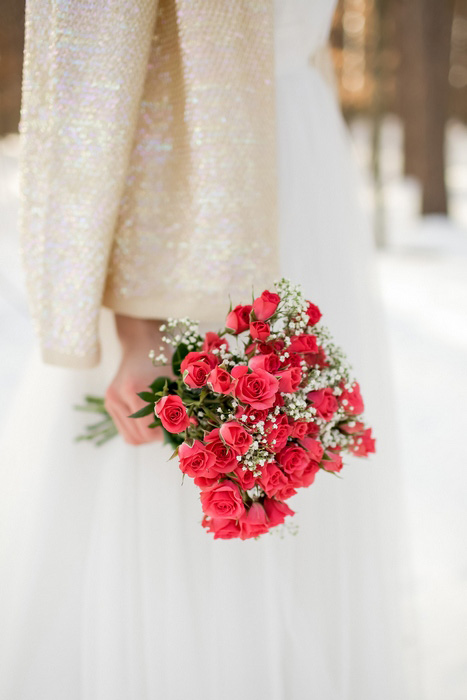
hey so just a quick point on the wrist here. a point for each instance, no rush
(133, 331)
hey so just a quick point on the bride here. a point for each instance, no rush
(111, 590)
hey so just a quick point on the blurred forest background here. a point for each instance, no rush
(401, 57)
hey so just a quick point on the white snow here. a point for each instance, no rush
(424, 280)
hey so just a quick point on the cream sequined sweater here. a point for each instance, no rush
(147, 164)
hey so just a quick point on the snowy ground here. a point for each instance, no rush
(423, 274)
(424, 283)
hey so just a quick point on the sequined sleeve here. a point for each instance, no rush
(84, 69)
(148, 166)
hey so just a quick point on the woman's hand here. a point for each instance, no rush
(135, 373)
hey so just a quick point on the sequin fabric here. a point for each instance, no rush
(148, 164)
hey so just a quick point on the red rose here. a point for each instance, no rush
(196, 460)
(220, 380)
(277, 436)
(313, 429)
(207, 357)
(295, 360)
(223, 528)
(196, 373)
(286, 492)
(325, 403)
(279, 400)
(290, 380)
(303, 343)
(265, 305)
(314, 314)
(238, 320)
(259, 330)
(299, 429)
(253, 415)
(352, 401)
(363, 444)
(258, 389)
(235, 436)
(213, 342)
(355, 426)
(307, 476)
(276, 511)
(226, 459)
(270, 363)
(223, 501)
(238, 371)
(206, 482)
(172, 413)
(245, 478)
(272, 479)
(313, 447)
(254, 522)
(332, 462)
(293, 459)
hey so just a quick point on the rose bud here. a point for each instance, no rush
(238, 320)
(254, 522)
(313, 447)
(259, 330)
(245, 478)
(332, 462)
(213, 342)
(352, 401)
(314, 314)
(206, 482)
(325, 403)
(265, 305)
(276, 511)
(352, 427)
(207, 357)
(364, 444)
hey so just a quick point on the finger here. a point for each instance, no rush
(119, 412)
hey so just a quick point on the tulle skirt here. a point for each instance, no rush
(110, 587)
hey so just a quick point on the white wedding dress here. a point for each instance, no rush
(110, 588)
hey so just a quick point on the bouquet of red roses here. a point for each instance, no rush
(256, 410)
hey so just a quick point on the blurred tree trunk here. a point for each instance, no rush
(412, 85)
(11, 63)
(425, 42)
(438, 18)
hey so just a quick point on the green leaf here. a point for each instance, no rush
(173, 439)
(147, 396)
(179, 355)
(155, 424)
(145, 411)
(94, 399)
(159, 384)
